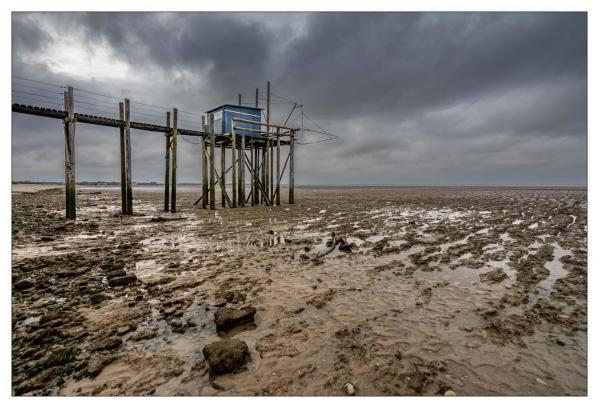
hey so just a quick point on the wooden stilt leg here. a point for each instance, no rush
(234, 166)
(204, 167)
(292, 168)
(167, 163)
(128, 157)
(242, 172)
(278, 175)
(69, 154)
(174, 163)
(223, 184)
(123, 161)
(212, 185)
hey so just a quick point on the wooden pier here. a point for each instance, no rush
(259, 155)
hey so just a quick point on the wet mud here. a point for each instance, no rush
(366, 291)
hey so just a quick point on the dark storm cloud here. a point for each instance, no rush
(418, 98)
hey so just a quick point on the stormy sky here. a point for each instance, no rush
(415, 98)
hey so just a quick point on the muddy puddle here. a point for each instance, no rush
(399, 291)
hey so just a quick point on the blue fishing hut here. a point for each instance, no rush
(223, 115)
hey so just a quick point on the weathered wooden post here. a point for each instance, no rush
(204, 166)
(69, 154)
(242, 172)
(167, 163)
(123, 160)
(174, 164)
(266, 183)
(222, 173)
(255, 172)
(271, 171)
(263, 175)
(128, 156)
(234, 163)
(278, 184)
(291, 167)
(212, 185)
(251, 170)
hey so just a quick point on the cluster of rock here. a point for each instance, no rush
(230, 354)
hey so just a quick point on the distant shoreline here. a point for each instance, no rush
(110, 184)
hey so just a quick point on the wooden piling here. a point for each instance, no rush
(234, 164)
(128, 157)
(251, 167)
(123, 160)
(278, 184)
(292, 168)
(212, 185)
(257, 97)
(167, 163)
(265, 163)
(263, 173)
(222, 183)
(271, 171)
(69, 154)
(255, 177)
(204, 167)
(174, 163)
(242, 172)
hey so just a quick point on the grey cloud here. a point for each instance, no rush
(418, 98)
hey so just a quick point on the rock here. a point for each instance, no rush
(450, 393)
(495, 276)
(98, 298)
(424, 297)
(226, 356)
(170, 310)
(123, 330)
(178, 326)
(143, 334)
(226, 318)
(560, 342)
(122, 280)
(468, 328)
(115, 273)
(24, 284)
(349, 389)
(46, 239)
(108, 343)
(96, 365)
(68, 274)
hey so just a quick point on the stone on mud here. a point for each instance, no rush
(108, 343)
(226, 356)
(494, 276)
(227, 318)
(24, 284)
(122, 280)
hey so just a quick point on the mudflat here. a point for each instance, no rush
(373, 291)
